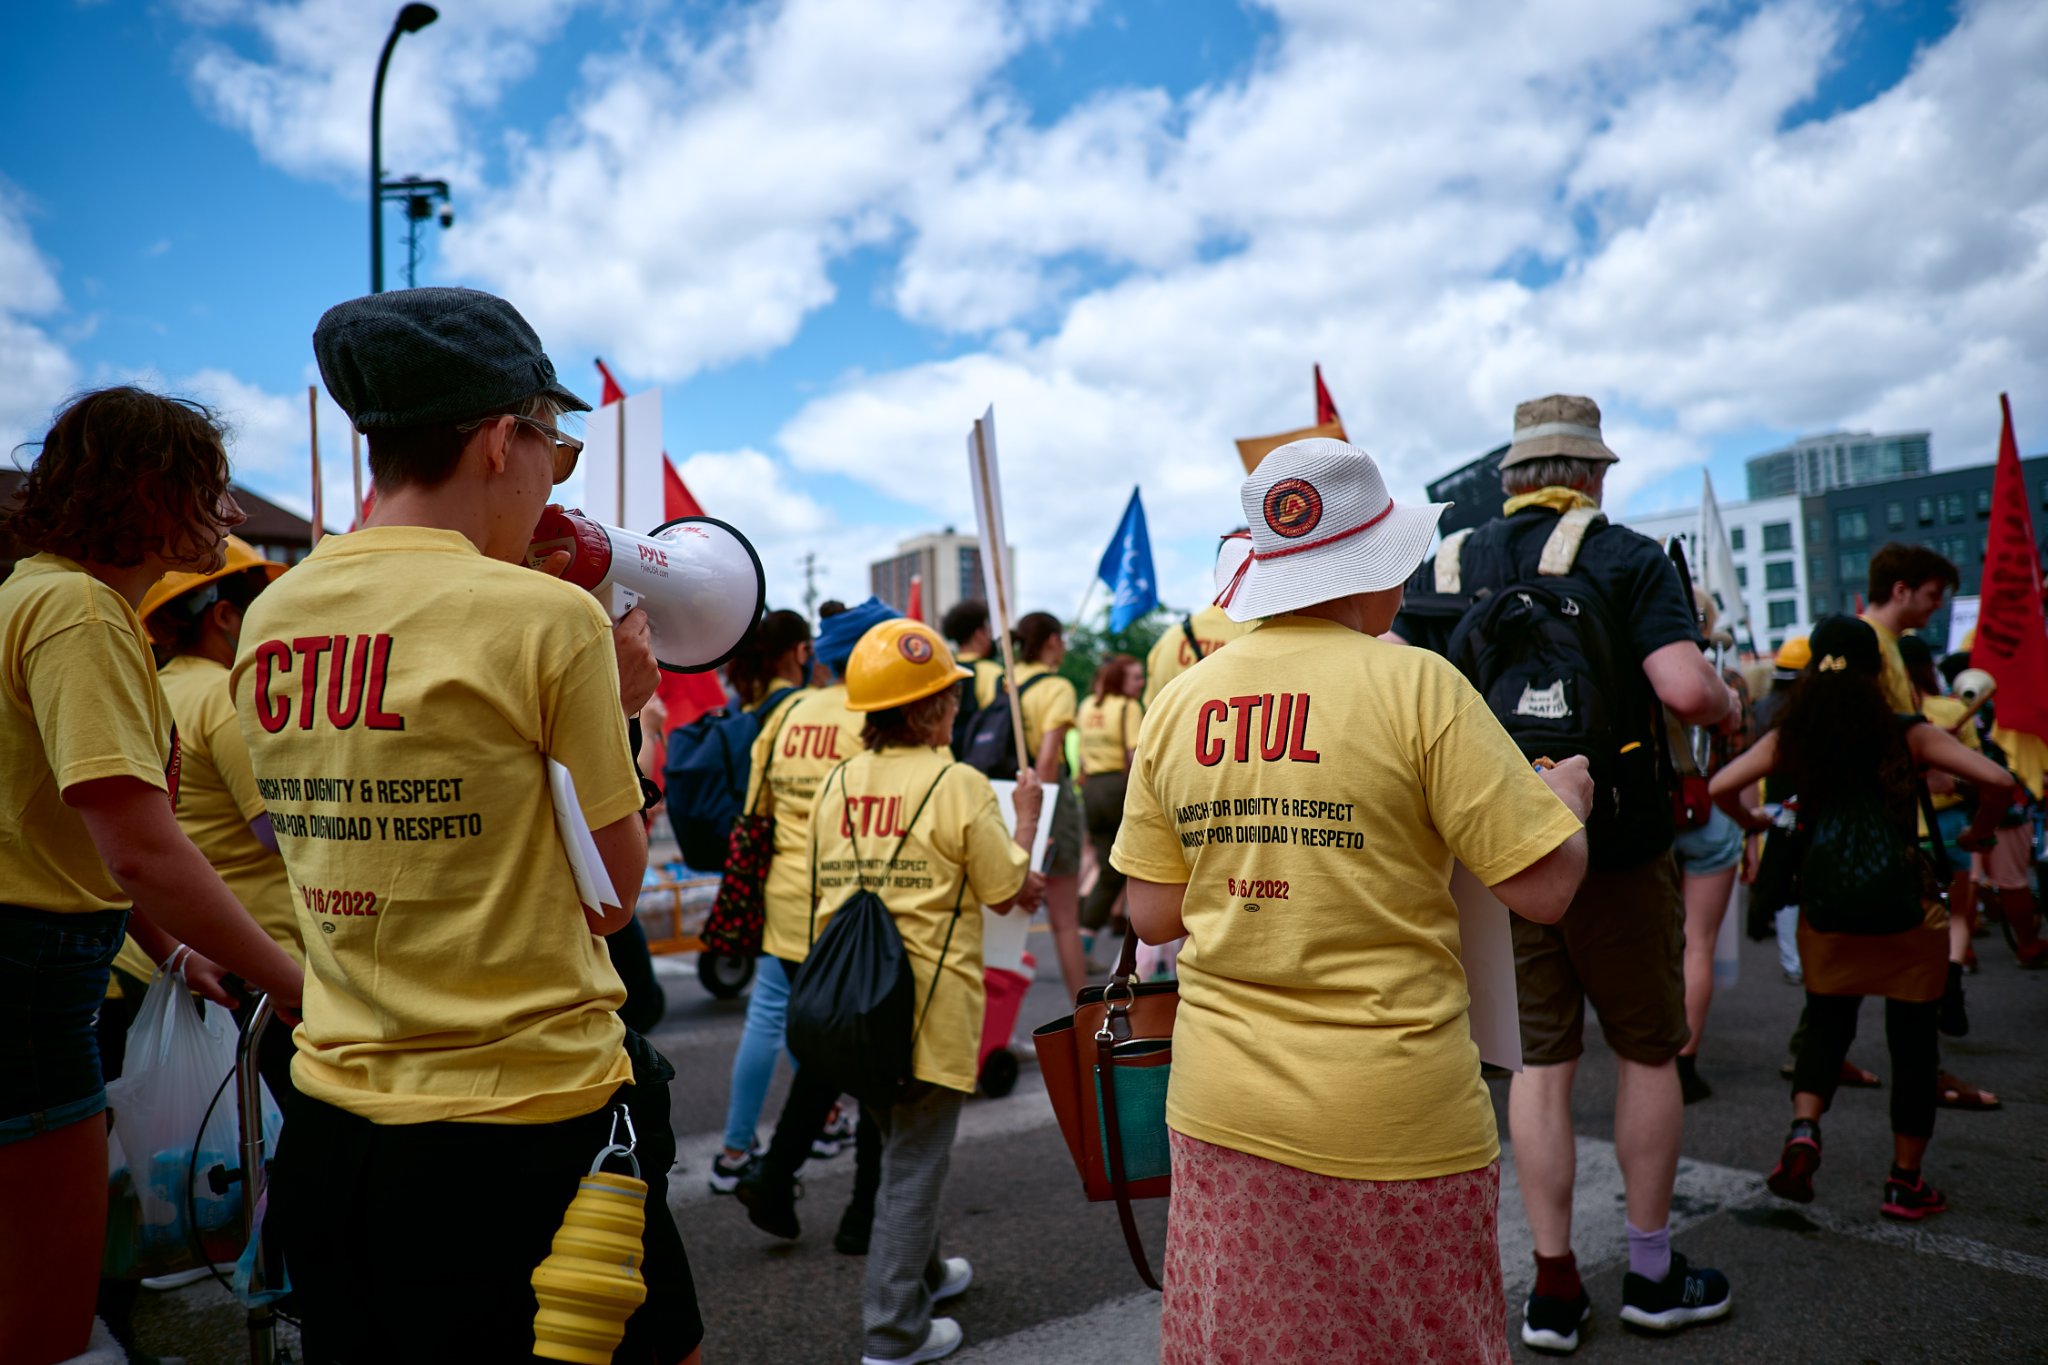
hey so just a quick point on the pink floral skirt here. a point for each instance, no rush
(1269, 1265)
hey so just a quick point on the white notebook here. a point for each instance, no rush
(593, 883)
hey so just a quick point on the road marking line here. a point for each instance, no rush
(1980, 1254)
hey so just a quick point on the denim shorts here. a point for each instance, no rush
(1714, 847)
(53, 978)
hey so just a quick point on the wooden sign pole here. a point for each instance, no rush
(313, 443)
(999, 610)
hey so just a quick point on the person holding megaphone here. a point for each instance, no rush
(404, 693)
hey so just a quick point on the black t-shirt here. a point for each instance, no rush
(1648, 605)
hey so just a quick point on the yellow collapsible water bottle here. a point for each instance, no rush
(590, 1283)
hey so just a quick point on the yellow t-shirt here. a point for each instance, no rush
(1046, 707)
(78, 702)
(1171, 655)
(811, 735)
(1898, 688)
(988, 676)
(217, 796)
(1109, 729)
(959, 853)
(1945, 712)
(401, 696)
(1322, 1002)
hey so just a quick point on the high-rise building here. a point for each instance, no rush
(1766, 538)
(950, 565)
(1949, 511)
(1844, 459)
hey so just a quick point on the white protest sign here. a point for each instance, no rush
(621, 463)
(1003, 936)
(1486, 946)
(986, 477)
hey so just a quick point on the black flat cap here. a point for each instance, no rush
(414, 356)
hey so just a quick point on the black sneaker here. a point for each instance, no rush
(726, 1175)
(1683, 1297)
(1551, 1325)
(771, 1205)
(1911, 1200)
(1792, 1177)
(854, 1227)
(1691, 1085)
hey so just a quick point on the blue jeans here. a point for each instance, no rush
(753, 1066)
(53, 978)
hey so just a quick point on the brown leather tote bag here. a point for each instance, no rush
(1106, 1067)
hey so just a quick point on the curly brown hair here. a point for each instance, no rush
(124, 473)
(905, 727)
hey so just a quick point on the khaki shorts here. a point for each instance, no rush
(1622, 946)
(1063, 859)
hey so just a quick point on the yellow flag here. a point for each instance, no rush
(1253, 449)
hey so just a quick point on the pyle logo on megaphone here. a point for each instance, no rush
(697, 578)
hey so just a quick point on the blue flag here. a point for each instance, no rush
(1126, 568)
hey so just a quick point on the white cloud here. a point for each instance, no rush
(1597, 196)
(37, 368)
(712, 179)
(785, 524)
(305, 100)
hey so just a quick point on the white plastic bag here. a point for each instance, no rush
(179, 1052)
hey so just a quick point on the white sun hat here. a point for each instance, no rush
(1323, 526)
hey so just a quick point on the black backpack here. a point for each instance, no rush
(853, 1007)
(991, 743)
(970, 707)
(706, 770)
(1544, 653)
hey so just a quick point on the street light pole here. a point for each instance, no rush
(411, 19)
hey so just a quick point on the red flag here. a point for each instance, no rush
(2012, 637)
(1326, 407)
(685, 696)
(915, 611)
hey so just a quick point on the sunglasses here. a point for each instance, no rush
(566, 447)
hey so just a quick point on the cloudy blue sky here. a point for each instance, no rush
(835, 230)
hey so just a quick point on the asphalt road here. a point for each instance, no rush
(1831, 1282)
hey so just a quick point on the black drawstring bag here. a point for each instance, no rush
(853, 1007)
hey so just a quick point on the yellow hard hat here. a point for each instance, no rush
(241, 555)
(1795, 654)
(899, 662)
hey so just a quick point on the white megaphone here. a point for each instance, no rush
(698, 579)
(1974, 686)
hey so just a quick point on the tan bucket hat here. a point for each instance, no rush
(1561, 424)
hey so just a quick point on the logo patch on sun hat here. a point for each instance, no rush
(915, 648)
(1293, 508)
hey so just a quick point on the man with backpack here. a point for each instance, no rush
(965, 627)
(1577, 632)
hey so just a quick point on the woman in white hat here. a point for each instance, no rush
(1295, 810)
(931, 828)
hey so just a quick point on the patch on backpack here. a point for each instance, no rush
(1548, 704)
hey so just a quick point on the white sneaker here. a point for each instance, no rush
(942, 1340)
(959, 1274)
(179, 1279)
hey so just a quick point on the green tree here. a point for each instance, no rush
(1089, 643)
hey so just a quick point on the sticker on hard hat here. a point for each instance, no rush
(915, 648)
